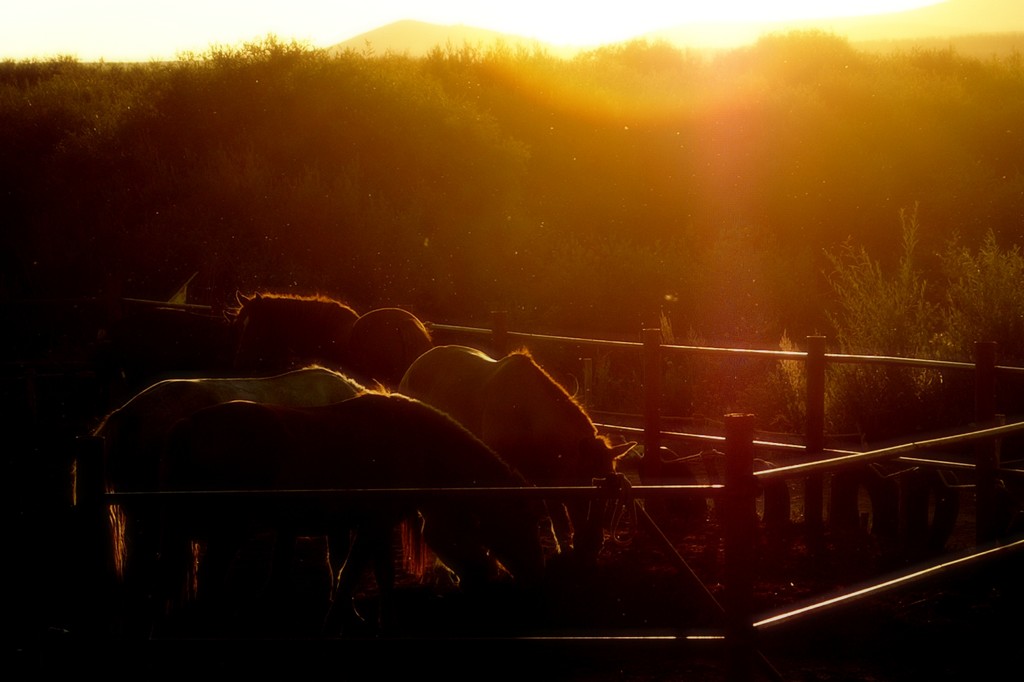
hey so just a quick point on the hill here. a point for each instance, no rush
(978, 45)
(417, 38)
(978, 28)
(943, 20)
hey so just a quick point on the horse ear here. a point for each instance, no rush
(241, 299)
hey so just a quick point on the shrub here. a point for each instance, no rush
(881, 315)
(985, 301)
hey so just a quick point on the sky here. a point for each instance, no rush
(143, 30)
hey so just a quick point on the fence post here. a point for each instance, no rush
(815, 433)
(588, 382)
(650, 466)
(739, 533)
(986, 451)
(499, 332)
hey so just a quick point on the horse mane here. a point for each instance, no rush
(277, 331)
(553, 387)
(321, 368)
(282, 300)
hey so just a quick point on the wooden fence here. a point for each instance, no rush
(741, 483)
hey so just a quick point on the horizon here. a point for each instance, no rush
(118, 30)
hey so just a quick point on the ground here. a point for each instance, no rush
(616, 621)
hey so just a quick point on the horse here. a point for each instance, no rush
(276, 332)
(383, 343)
(280, 332)
(520, 411)
(135, 435)
(374, 440)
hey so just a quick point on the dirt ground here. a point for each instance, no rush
(623, 619)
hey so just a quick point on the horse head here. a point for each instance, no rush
(278, 332)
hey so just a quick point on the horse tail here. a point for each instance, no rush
(118, 540)
(414, 546)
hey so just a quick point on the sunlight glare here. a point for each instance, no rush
(574, 23)
(127, 29)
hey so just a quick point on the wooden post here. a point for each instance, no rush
(499, 332)
(815, 433)
(588, 382)
(650, 466)
(739, 533)
(985, 452)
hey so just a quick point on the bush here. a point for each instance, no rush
(985, 295)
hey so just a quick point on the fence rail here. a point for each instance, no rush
(986, 437)
(740, 488)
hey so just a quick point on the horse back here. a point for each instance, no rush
(453, 379)
(136, 433)
(384, 342)
(374, 440)
(371, 440)
(308, 386)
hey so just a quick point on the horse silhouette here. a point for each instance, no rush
(135, 436)
(383, 343)
(281, 332)
(374, 440)
(518, 409)
(277, 332)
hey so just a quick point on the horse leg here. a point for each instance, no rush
(338, 545)
(561, 524)
(466, 558)
(278, 594)
(379, 537)
(587, 522)
(224, 582)
(174, 575)
(342, 614)
(371, 542)
(139, 587)
(301, 584)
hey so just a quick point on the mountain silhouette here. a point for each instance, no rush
(418, 38)
(947, 20)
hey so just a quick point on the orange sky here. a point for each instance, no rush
(130, 30)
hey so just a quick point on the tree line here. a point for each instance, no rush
(746, 198)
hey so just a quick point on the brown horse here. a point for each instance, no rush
(135, 435)
(281, 332)
(518, 409)
(383, 343)
(372, 441)
(277, 332)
